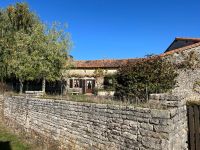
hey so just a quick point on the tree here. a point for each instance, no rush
(138, 80)
(15, 43)
(4, 42)
(21, 18)
(51, 54)
(21, 64)
(29, 49)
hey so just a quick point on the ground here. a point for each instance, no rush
(9, 141)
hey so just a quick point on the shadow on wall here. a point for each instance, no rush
(5, 145)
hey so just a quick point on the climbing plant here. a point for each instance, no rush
(138, 80)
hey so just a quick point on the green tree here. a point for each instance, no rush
(21, 62)
(4, 42)
(29, 49)
(16, 46)
(51, 53)
(21, 18)
(138, 80)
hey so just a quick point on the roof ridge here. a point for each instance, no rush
(109, 59)
(187, 38)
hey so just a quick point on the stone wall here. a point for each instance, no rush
(1, 106)
(78, 125)
(189, 74)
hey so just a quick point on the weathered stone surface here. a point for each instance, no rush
(165, 114)
(1, 106)
(98, 126)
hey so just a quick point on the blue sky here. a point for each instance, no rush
(114, 29)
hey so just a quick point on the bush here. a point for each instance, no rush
(109, 82)
(138, 80)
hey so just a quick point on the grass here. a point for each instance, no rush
(9, 141)
(86, 99)
(102, 100)
(94, 99)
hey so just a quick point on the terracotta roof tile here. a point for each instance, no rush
(115, 63)
(104, 63)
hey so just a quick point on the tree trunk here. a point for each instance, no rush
(21, 86)
(43, 85)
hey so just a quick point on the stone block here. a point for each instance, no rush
(126, 127)
(146, 126)
(164, 114)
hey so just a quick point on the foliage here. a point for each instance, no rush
(150, 55)
(50, 53)
(4, 43)
(196, 86)
(21, 18)
(191, 61)
(17, 24)
(29, 49)
(99, 72)
(15, 142)
(100, 100)
(109, 82)
(53, 53)
(138, 80)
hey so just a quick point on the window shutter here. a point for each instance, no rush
(80, 83)
(84, 88)
(93, 84)
(71, 83)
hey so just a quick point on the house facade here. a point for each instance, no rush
(90, 76)
(87, 76)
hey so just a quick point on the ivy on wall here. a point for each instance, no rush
(190, 61)
(196, 86)
(100, 72)
(138, 80)
(110, 82)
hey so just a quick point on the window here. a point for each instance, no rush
(76, 83)
(89, 84)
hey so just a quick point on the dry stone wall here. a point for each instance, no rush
(88, 126)
(189, 74)
(1, 107)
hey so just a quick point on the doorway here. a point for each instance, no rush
(90, 84)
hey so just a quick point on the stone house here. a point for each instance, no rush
(186, 51)
(88, 75)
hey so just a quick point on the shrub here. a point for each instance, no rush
(109, 82)
(138, 80)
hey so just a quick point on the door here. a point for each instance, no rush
(90, 86)
(194, 126)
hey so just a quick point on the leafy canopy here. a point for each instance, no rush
(28, 48)
(138, 80)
